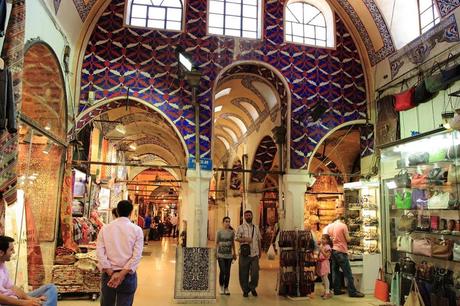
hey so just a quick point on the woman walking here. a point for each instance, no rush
(226, 252)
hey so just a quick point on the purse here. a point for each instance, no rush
(381, 289)
(421, 93)
(419, 180)
(452, 74)
(437, 176)
(434, 223)
(404, 243)
(424, 224)
(418, 158)
(419, 199)
(402, 179)
(441, 249)
(407, 223)
(440, 200)
(387, 123)
(422, 246)
(408, 266)
(405, 99)
(438, 155)
(425, 271)
(414, 298)
(403, 200)
(456, 251)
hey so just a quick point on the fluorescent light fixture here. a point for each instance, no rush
(391, 185)
(133, 146)
(185, 62)
(218, 108)
(120, 128)
(222, 93)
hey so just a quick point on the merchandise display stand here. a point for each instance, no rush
(297, 264)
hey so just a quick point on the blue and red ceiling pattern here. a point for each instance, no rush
(118, 58)
(263, 161)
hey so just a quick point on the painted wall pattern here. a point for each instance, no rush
(118, 58)
(263, 161)
(83, 7)
(447, 6)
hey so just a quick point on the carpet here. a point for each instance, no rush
(195, 280)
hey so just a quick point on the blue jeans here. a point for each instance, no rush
(50, 291)
(340, 261)
(123, 295)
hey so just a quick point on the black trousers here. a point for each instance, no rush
(225, 264)
(123, 295)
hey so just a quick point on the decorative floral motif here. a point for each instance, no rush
(83, 7)
(447, 6)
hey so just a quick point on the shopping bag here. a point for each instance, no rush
(395, 289)
(414, 298)
(271, 253)
(381, 290)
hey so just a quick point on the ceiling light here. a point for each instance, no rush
(222, 93)
(218, 108)
(133, 146)
(185, 61)
(120, 128)
(48, 126)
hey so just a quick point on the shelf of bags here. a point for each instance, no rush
(427, 209)
(449, 260)
(437, 234)
(429, 164)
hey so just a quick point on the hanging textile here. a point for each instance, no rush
(13, 55)
(36, 270)
(66, 204)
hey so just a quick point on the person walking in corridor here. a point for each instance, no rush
(119, 250)
(248, 236)
(226, 253)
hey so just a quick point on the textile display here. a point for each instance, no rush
(66, 204)
(387, 126)
(85, 230)
(35, 267)
(195, 275)
(69, 278)
(13, 55)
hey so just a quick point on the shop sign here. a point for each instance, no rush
(206, 164)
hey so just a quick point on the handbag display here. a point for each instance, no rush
(404, 243)
(452, 74)
(407, 223)
(402, 179)
(438, 155)
(381, 289)
(453, 174)
(434, 223)
(405, 99)
(403, 200)
(422, 246)
(418, 158)
(453, 152)
(395, 296)
(419, 180)
(425, 271)
(441, 249)
(437, 176)
(419, 199)
(456, 251)
(423, 223)
(440, 200)
(408, 266)
(421, 93)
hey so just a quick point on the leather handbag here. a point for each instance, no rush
(387, 123)
(381, 289)
(425, 271)
(419, 180)
(403, 200)
(450, 74)
(404, 243)
(402, 179)
(424, 223)
(408, 266)
(414, 298)
(438, 155)
(441, 248)
(435, 82)
(453, 174)
(405, 99)
(419, 199)
(407, 223)
(421, 93)
(456, 251)
(434, 223)
(440, 200)
(418, 158)
(437, 176)
(422, 246)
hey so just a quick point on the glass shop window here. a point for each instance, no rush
(155, 14)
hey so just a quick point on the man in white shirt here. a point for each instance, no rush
(174, 220)
(248, 234)
(119, 250)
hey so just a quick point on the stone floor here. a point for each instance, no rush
(156, 284)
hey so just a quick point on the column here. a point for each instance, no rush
(295, 185)
(234, 206)
(253, 204)
(196, 212)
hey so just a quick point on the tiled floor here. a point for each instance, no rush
(156, 284)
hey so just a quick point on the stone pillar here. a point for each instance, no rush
(295, 186)
(254, 205)
(196, 214)
(234, 205)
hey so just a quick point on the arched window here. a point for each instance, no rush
(309, 22)
(428, 15)
(240, 18)
(156, 14)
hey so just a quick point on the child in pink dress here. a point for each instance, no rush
(323, 267)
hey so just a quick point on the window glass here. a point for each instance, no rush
(157, 14)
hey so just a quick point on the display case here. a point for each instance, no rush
(420, 180)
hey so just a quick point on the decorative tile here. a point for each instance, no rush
(419, 49)
(56, 3)
(83, 7)
(195, 275)
(447, 6)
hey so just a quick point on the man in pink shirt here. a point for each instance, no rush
(119, 250)
(338, 231)
(10, 295)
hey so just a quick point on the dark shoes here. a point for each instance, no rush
(254, 292)
(357, 294)
(245, 294)
(339, 292)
